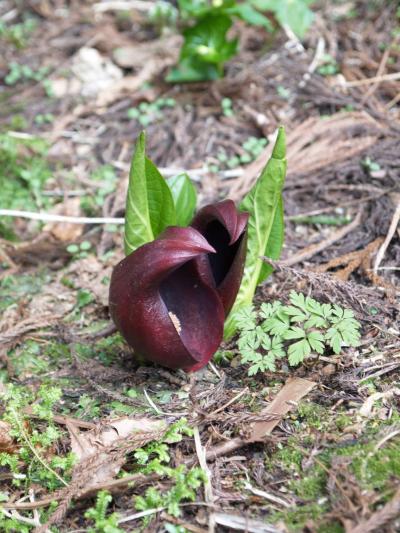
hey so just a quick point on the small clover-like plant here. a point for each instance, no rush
(304, 328)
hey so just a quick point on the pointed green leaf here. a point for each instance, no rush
(185, 198)
(161, 203)
(294, 333)
(262, 203)
(316, 340)
(149, 203)
(298, 352)
(275, 242)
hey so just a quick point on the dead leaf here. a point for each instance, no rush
(65, 231)
(94, 71)
(89, 274)
(137, 55)
(236, 522)
(287, 398)
(93, 443)
(7, 444)
(130, 84)
(63, 86)
(368, 405)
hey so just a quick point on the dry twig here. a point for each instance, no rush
(392, 229)
(310, 251)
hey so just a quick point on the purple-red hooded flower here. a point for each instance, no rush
(225, 229)
(162, 307)
(169, 298)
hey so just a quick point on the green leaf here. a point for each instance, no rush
(191, 69)
(337, 312)
(351, 337)
(250, 15)
(199, 8)
(267, 310)
(206, 41)
(315, 321)
(334, 340)
(316, 340)
(161, 203)
(275, 241)
(345, 329)
(149, 203)
(253, 339)
(298, 299)
(84, 298)
(277, 324)
(294, 333)
(185, 198)
(295, 313)
(298, 352)
(274, 346)
(268, 363)
(248, 355)
(246, 318)
(296, 15)
(293, 13)
(262, 203)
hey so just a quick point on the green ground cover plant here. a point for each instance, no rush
(24, 172)
(303, 329)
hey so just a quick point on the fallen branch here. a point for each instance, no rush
(110, 485)
(366, 81)
(47, 217)
(123, 5)
(392, 229)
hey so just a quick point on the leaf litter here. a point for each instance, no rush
(313, 452)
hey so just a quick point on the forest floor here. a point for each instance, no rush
(66, 138)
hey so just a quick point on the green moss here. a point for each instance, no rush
(24, 172)
(313, 415)
(330, 527)
(342, 421)
(295, 519)
(374, 469)
(29, 359)
(287, 457)
(14, 288)
(311, 486)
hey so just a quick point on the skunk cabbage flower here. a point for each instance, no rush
(162, 306)
(225, 230)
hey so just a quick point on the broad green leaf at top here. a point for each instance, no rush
(185, 198)
(250, 15)
(292, 13)
(199, 8)
(149, 203)
(265, 226)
